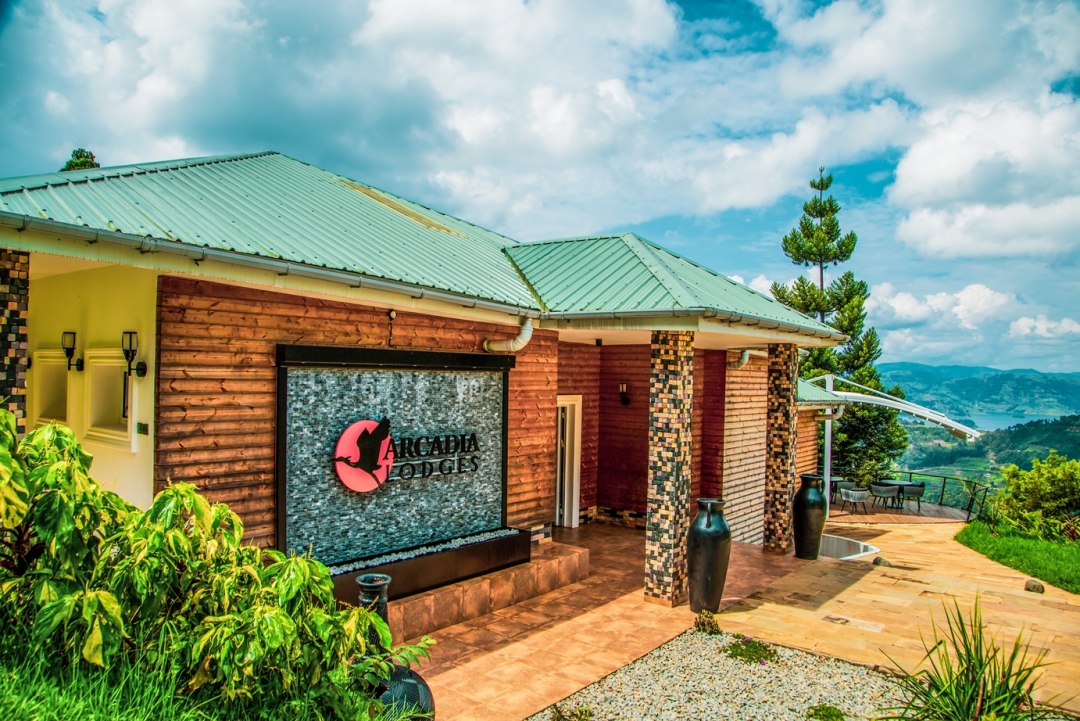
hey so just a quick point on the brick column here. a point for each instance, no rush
(780, 448)
(15, 291)
(671, 395)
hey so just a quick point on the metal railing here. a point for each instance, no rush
(951, 491)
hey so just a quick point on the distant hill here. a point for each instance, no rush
(932, 447)
(959, 391)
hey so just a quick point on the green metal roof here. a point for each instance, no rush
(614, 273)
(269, 205)
(810, 394)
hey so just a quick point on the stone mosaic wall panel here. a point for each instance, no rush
(671, 395)
(780, 450)
(459, 497)
(15, 291)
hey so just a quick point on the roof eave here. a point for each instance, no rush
(745, 319)
(150, 244)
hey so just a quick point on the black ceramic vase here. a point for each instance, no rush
(808, 516)
(405, 689)
(708, 550)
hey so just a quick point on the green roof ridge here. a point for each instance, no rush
(69, 177)
(659, 270)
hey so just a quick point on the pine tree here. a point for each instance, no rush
(81, 159)
(867, 438)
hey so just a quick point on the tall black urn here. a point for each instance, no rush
(708, 550)
(808, 516)
(405, 687)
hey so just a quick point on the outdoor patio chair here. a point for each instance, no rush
(885, 494)
(852, 496)
(915, 491)
(838, 485)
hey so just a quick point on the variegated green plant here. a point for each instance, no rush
(95, 577)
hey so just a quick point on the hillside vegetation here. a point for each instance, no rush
(933, 448)
(959, 391)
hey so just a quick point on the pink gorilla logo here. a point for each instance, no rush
(364, 455)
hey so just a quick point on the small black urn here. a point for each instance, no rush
(405, 688)
(708, 550)
(808, 516)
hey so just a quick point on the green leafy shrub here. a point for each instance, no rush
(705, 622)
(1051, 488)
(93, 578)
(825, 712)
(968, 677)
(750, 650)
(578, 713)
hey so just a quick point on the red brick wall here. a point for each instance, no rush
(622, 481)
(579, 374)
(217, 390)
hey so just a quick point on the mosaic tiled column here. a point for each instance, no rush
(780, 447)
(15, 290)
(671, 395)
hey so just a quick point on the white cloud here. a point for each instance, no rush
(762, 285)
(966, 308)
(1043, 326)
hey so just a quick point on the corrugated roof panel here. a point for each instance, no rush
(270, 205)
(598, 275)
(812, 394)
(626, 272)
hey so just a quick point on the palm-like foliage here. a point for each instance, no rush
(966, 676)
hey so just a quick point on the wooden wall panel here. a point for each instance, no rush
(745, 409)
(806, 442)
(217, 395)
(622, 478)
(579, 374)
(711, 365)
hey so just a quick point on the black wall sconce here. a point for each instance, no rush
(623, 396)
(129, 342)
(67, 342)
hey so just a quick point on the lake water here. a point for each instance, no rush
(997, 421)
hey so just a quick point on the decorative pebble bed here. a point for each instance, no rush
(691, 678)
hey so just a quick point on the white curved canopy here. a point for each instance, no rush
(877, 398)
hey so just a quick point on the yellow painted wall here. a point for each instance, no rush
(99, 305)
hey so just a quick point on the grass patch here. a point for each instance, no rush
(825, 712)
(750, 650)
(1050, 561)
(36, 688)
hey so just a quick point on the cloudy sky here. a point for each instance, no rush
(952, 128)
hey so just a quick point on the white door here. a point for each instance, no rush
(567, 461)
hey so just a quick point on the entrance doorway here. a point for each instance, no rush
(567, 461)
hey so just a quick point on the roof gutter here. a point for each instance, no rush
(721, 315)
(147, 244)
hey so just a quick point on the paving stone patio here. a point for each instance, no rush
(517, 661)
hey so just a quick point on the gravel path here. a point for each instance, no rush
(689, 678)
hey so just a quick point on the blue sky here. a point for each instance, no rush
(952, 129)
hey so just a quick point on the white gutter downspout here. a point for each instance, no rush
(514, 344)
(834, 415)
(744, 358)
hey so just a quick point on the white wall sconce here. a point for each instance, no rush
(67, 342)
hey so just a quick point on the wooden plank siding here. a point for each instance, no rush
(217, 391)
(710, 367)
(579, 374)
(806, 442)
(622, 478)
(745, 411)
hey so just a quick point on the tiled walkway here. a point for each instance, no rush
(864, 613)
(519, 660)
